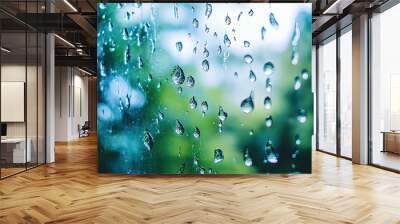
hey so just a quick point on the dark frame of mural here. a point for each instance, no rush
(204, 88)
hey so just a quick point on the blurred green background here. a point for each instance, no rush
(139, 104)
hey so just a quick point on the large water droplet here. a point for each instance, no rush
(190, 81)
(222, 115)
(268, 68)
(296, 35)
(240, 14)
(273, 22)
(205, 65)
(227, 41)
(179, 46)
(301, 116)
(295, 57)
(196, 132)
(304, 74)
(195, 23)
(206, 53)
(192, 103)
(148, 140)
(271, 158)
(252, 76)
(208, 10)
(228, 20)
(267, 103)
(218, 156)
(268, 121)
(248, 59)
(179, 129)
(268, 85)
(247, 105)
(204, 107)
(263, 33)
(178, 76)
(251, 12)
(246, 43)
(297, 83)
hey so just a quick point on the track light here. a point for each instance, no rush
(5, 50)
(70, 5)
(64, 40)
(84, 71)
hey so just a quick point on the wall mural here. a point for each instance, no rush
(204, 88)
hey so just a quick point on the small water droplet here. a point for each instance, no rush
(195, 50)
(247, 105)
(268, 85)
(215, 34)
(196, 132)
(204, 107)
(296, 35)
(240, 14)
(301, 116)
(190, 81)
(268, 68)
(158, 85)
(140, 62)
(110, 26)
(268, 121)
(304, 74)
(263, 33)
(206, 29)
(247, 159)
(148, 140)
(252, 76)
(127, 55)
(228, 20)
(236, 74)
(160, 115)
(206, 53)
(179, 129)
(248, 59)
(297, 83)
(179, 46)
(251, 132)
(205, 65)
(246, 43)
(192, 103)
(222, 115)
(227, 41)
(251, 12)
(202, 170)
(176, 13)
(218, 156)
(178, 76)
(208, 10)
(180, 90)
(295, 57)
(267, 103)
(149, 77)
(125, 34)
(219, 50)
(297, 139)
(195, 23)
(272, 20)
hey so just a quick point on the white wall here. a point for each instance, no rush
(71, 102)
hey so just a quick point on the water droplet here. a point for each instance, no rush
(204, 107)
(215, 34)
(102, 6)
(138, 42)
(297, 139)
(128, 16)
(269, 68)
(263, 33)
(296, 35)
(295, 57)
(219, 50)
(273, 22)
(112, 46)
(236, 74)
(251, 12)
(127, 55)
(247, 159)
(228, 20)
(190, 81)
(226, 56)
(252, 76)
(268, 121)
(206, 53)
(178, 76)
(227, 41)
(208, 10)
(194, 50)
(267, 103)
(140, 62)
(240, 14)
(222, 115)
(179, 46)
(251, 132)
(205, 65)
(196, 132)
(218, 156)
(202, 170)
(297, 83)
(301, 116)
(195, 162)
(110, 26)
(179, 129)
(176, 13)
(192, 103)
(247, 105)
(268, 85)
(206, 29)
(148, 140)
(248, 59)
(246, 43)
(160, 115)
(195, 23)
(180, 90)
(304, 74)
(158, 85)
(271, 158)
(125, 34)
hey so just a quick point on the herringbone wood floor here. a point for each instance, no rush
(70, 191)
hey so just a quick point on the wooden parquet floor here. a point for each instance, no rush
(71, 191)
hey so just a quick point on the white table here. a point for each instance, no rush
(19, 153)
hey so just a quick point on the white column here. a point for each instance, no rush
(50, 99)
